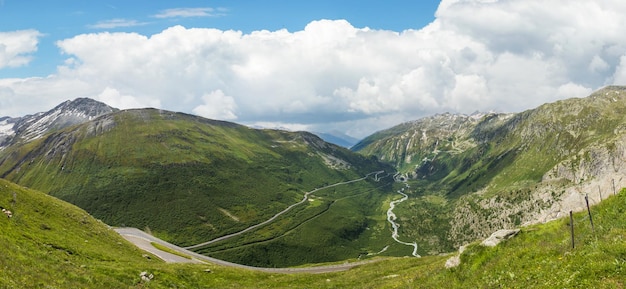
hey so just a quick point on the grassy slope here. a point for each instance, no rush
(49, 243)
(539, 257)
(509, 158)
(189, 180)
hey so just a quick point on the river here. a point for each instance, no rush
(391, 218)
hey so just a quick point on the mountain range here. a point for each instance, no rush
(338, 138)
(483, 172)
(188, 180)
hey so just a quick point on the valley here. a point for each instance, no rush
(196, 183)
(304, 199)
(257, 201)
(51, 243)
(391, 218)
(484, 172)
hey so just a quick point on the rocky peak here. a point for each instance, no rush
(68, 113)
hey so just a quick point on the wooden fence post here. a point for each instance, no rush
(571, 226)
(589, 212)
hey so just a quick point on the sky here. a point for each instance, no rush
(346, 66)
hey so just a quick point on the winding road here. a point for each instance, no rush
(304, 199)
(144, 241)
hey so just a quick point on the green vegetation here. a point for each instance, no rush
(457, 164)
(168, 250)
(190, 180)
(347, 222)
(49, 243)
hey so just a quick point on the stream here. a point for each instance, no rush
(391, 217)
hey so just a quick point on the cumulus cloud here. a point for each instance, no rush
(113, 97)
(476, 55)
(217, 105)
(16, 47)
(620, 73)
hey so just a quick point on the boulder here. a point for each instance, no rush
(455, 260)
(499, 236)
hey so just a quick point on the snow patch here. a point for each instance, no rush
(6, 128)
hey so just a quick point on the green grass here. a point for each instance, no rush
(178, 174)
(500, 160)
(346, 224)
(52, 244)
(168, 250)
(542, 257)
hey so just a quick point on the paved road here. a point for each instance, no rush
(304, 199)
(145, 244)
(142, 240)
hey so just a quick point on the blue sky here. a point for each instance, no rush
(349, 66)
(58, 20)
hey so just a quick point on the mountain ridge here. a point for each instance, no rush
(504, 170)
(189, 179)
(475, 173)
(68, 113)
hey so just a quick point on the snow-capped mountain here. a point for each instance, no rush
(66, 114)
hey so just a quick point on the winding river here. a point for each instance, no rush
(391, 218)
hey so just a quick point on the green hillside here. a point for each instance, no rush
(458, 154)
(51, 244)
(188, 180)
(48, 243)
(472, 175)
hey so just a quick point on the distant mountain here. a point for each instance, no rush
(69, 113)
(338, 138)
(494, 171)
(189, 179)
(411, 143)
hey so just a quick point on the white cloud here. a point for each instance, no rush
(477, 55)
(116, 23)
(570, 90)
(217, 105)
(620, 73)
(16, 47)
(191, 12)
(113, 97)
